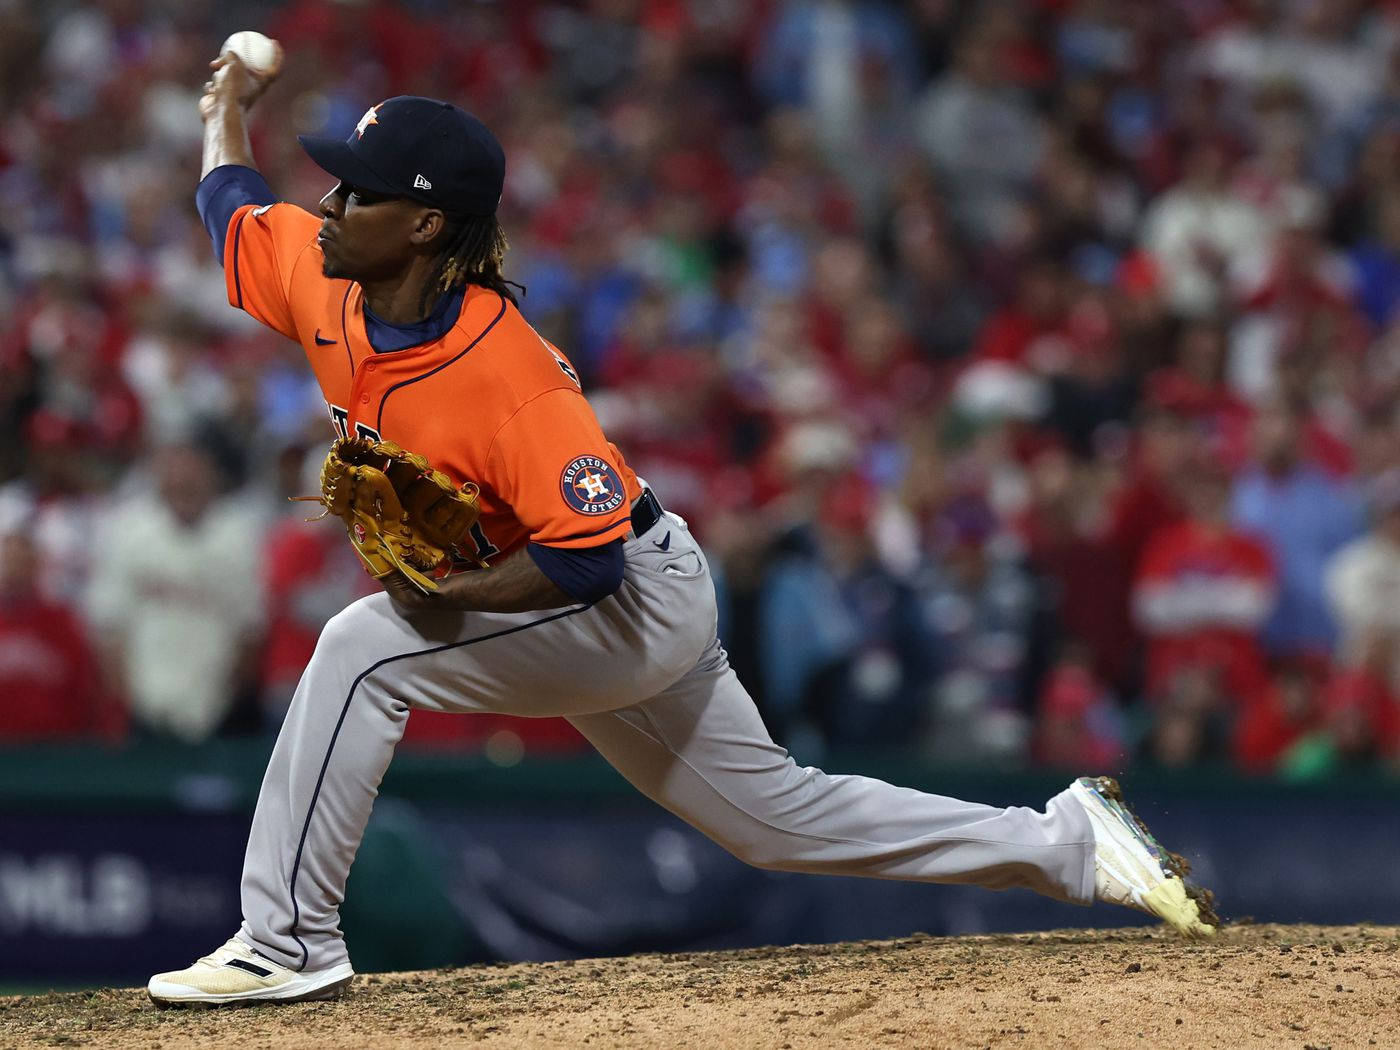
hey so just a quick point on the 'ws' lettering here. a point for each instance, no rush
(340, 420)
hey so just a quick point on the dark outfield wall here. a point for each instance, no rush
(115, 864)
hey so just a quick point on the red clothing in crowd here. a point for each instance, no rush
(1010, 335)
(1093, 572)
(1268, 728)
(49, 680)
(309, 574)
(1222, 414)
(344, 34)
(1368, 695)
(1076, 725)
(1200, 597)
(1143, 508)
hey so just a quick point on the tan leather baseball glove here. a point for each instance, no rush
(402, 515)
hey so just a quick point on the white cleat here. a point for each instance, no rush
(1131, 867)
(236, 973)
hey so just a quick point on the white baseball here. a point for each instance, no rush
(261, 54)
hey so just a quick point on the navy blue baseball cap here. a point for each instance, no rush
(421, 148)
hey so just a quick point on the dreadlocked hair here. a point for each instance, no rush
(472, 253)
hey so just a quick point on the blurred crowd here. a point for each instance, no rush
(1029, 368)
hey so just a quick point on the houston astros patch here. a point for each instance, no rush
(591, 486)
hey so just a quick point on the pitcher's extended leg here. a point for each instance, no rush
(701, 750)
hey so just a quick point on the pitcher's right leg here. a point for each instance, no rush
(335, 744)
(371, 666)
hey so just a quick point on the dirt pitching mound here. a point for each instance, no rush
(1253, 986)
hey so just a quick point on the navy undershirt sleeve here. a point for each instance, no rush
(222, 192)
(588, 575)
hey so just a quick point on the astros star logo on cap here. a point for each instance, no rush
(371, 117)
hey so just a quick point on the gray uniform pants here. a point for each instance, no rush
(642, 676)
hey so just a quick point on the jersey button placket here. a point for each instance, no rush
(363, 380)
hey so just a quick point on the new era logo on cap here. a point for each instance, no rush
(420, 183)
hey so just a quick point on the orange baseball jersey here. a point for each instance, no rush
(489, 402)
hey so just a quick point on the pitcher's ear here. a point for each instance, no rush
(429, 227)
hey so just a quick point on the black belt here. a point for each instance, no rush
(646, 512)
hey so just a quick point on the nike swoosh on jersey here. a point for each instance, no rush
(323, 342)
(662, 545)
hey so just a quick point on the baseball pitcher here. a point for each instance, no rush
(526, 570)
